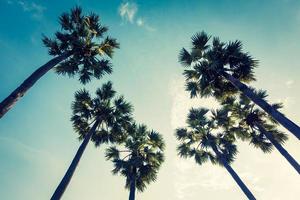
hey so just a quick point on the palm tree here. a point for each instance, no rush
(221, 70)
(140, 159)
(102, 119)
(79, 49)
(203, 140)
(257, 126)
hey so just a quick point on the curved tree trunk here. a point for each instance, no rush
(280, 148)
(234, 175)
(68, 175)
(9, 101)
(132, 187)
(278, 116)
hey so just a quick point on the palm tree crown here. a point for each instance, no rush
(141, 158)
(248, 117)
(255, 125)
(203, 139)
(102, 119)
(206, 62)
(80, 38)
(209, 138)
(112, 113)
(221, 70)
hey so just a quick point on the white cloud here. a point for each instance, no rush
(289, 83)
(128, 11)
(35, 9)
(140, 22)
(191, 177)
(27, 151)
(149, 28)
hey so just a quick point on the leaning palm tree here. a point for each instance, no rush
(221, 70)
(78, 49)
(102, 119)
(203, 140)
(139, 159)
(257, 126)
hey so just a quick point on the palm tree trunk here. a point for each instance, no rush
(68, 175)
(280, 148)
(234, 175)
(132, 187)
(284, 121)
(9, 101)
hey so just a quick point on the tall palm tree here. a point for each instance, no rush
(219, 69)
(203, 140)
(257, 126)
(78, 49)
(139, 158)
(102, 119)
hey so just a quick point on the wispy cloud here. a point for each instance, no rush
(27, 151)
(289, 83)
(204, 177)
(128, 12)
(36, 10)
(142, 23)
(208, 177)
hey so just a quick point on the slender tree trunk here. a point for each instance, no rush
(68, 175)
(280, 148)
(234, 175)
(284, 121)
(132, 186)
(9, 101)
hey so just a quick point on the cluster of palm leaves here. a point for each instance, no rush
(256, 126)
(206, 138)
(223, 70)
(139, 158)
(81, 49)
(107, 119)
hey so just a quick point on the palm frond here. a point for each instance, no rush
(181, 134)
(106, 91)
(193, 88)
(112, 153)
(185, 58)
(81, 39)
(199, 40)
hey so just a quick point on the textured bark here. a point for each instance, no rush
(278, 116)
(280, 148)
(67, 177)
(19, 92)
(234, 175)
(132, 187)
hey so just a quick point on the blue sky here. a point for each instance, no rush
(37, 142)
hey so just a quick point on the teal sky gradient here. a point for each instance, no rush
(37, 142)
